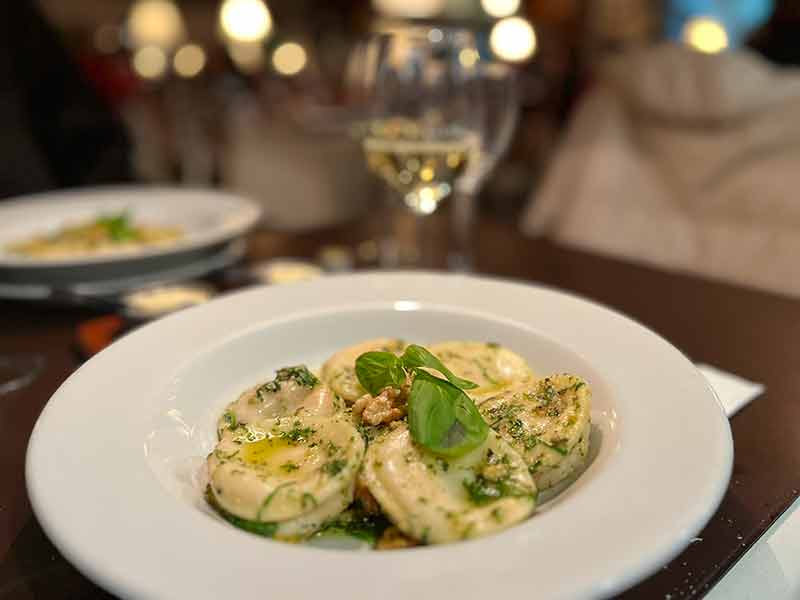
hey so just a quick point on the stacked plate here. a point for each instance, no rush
(212, 224)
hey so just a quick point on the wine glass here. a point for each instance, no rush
(425, 122)
(501, 94)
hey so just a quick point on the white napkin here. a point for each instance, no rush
(734, 392)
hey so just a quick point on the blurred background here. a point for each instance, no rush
(256, 96)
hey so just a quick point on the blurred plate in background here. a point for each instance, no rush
(209, 220)
(73, 293)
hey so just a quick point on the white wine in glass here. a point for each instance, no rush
(424, 125)
(422, 170)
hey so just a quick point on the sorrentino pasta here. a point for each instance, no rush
(397, 445)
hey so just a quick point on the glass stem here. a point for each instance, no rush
(462, 222)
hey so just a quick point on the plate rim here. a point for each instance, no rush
(603, 588)
(250, 214)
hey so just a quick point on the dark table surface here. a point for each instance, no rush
(747, 332)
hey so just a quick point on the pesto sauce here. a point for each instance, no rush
(356, 523)
(299, 374)
(259, 528)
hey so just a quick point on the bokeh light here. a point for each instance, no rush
(245, 20)
(155, 23)
(513, 39)
(705, 34)
(468, 57)
(410, 9)
(189, 60)
(248, 57)
(150, 62)
(289, 58)
(500, 8)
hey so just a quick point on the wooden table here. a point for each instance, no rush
(751, 333)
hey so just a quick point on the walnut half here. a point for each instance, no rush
(387, 406)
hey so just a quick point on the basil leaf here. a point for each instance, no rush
(377, 370)
(442, 418)
(416, 356)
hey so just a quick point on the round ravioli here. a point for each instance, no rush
(436, 500)
(339, 371)
(489, 365)
(294, 391)
(548, 423)
(291, 473)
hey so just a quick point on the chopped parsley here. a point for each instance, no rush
(482, 490)
(560, 448)
(334, 467)
(299, 374)
(368, 432)
(231, 420)
(356, 523)
(289, 466)
(534, 467)
(425, 535)
(298, 434)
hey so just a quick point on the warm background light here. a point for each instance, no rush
(155, 23)
(289, 58)
(106, 39)
(411, 9)
(249, 57)
(705, 35)
(513, 39)
(500, 8)
(468, 57)
(150, 62)
(189, 60)
(245, 20)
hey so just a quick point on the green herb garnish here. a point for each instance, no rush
(298, 434)
(334, 467)
(230, 419)
(415, 357)
(119, 227)
(357, 524)
(441, 417)
(482, 490)
(378, 370)
(299, 374)
(257, 527)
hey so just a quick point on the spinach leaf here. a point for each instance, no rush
(442, 418)
(416, 356)
(377, 370)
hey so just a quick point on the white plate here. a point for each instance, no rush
(209, 219)
(113, 460)
(228, 255)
